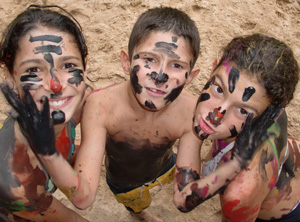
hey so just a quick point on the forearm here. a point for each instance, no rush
(197, 191)
(70, 182)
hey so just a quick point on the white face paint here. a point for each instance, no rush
(226, 101)
(159, 69)
(50, 63)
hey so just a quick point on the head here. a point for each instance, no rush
(163, 47)
(254, 71)
(44, 52)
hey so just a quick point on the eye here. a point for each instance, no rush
(243, 112)
(218, 89)
(68, 66)
(33, 69)
(148, 59)
(177, 66)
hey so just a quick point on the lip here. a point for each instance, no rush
(59, 103)
(205, 127)
(155, 92)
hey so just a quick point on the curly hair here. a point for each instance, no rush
(271, 61)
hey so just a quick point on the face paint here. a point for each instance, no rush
(203, 97)
(174, 94)
(77, 76)
(216, 116)
(159, 78)
(234, 76)
(248, 93)
(30, 77)
(150, 105)
(167, 48)
(58, 116)
(134, 79)
(55, 85)
(137, 56)
(233, 132)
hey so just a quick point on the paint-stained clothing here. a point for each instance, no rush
(137, 198)
(23, 181)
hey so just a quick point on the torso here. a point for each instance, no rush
(139, 143)
(23, 178)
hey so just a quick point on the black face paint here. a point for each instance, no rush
(174, 39)
(167, 48)
(55, 95)
(49, 38)
(216, 116)
(209, 82)
(174, 94)
(147, 66)
(159, 78)
(150, 105)
(234, 76)
(186, 75)
(203, 136)
(58, 116)
(32, 77)
(203, 97)
(137, 56)
(77, 76)
(48, 48)
(248, 93)
(233, 132)
(30, 86)
(134, 79)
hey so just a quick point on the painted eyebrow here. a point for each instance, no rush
(243, 104)
(151, 54)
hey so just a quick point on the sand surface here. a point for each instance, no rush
(107, 25)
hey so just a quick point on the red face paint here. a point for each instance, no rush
(55, 86)
(15, 72)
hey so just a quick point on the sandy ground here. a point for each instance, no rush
(107, 26)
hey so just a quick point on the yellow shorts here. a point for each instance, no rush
(139, 198)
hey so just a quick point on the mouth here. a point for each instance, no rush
(155, 92)
(205, 127)
(59, 103)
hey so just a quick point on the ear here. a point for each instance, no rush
(125, 62)
(192, 75)
(9, 79)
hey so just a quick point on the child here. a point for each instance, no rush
(137, 122)
(255, 71)
(44, 55)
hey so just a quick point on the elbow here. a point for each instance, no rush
(83, 204)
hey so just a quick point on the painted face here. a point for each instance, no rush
(49, 63)
(159, 69)
(225, 102)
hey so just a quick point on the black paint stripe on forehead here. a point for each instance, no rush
(49, 38)
(48, 48)
(234, 76)
(167, 48)
(248, 93)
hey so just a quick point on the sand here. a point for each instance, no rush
(107, 26)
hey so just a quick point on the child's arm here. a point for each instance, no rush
(190, 190)
(79, 185)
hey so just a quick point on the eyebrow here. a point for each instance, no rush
(31, 61)
(39, 61)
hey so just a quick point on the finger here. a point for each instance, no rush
(29, 103)
(45, 112)
(13, 99)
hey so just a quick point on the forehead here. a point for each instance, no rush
(157, 39)
(47, 37)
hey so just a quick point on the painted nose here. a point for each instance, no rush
(55, 85)
(216, 116)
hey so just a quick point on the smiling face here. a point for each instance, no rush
(226, 100)
(49, 63)
(160, 67)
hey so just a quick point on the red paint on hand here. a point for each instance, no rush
(55, 86)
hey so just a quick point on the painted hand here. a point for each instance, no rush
(36, 125)
(254, 133)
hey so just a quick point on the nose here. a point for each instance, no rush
(216, 116)
(55, 85)
(159, 78)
